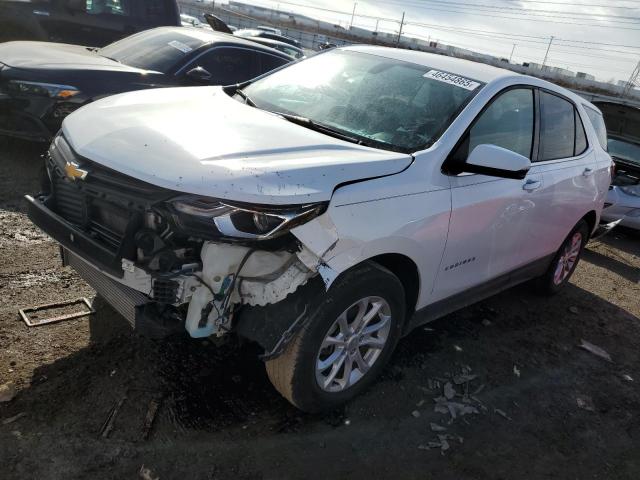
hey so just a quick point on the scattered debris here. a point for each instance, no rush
(457, 348)
(107, 427)
(628, 378)
(146, 474)
(573, 309)
(586, 403)
(415, 414)
(420, 403)
(486, 322)
(9, 420)
(502, 413)
(152, 411)
(435, 427)
(590, 347)
(35, 320)
(516, 371)
(347, 422)
(7, 392)
(463, 378)
(449, 391)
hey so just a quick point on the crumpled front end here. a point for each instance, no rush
(189, 260)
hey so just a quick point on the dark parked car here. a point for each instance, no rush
(84, 22)
(254, 32)
(41, 83)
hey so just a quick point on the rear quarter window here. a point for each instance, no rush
(599, 126)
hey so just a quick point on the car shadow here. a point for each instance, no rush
(21, 171)
(212, 388)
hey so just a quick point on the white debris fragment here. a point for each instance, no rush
(415, 414)
(435, 427)
(516, 371)
(502, 413)
(590, 347)
(449, 391)
(627, 378)
(585, 403)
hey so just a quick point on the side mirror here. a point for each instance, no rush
(497, 162)
(199, 75)
(75, 6)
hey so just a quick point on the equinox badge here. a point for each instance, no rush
(74, 173)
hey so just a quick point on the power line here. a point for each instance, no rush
(571, 15)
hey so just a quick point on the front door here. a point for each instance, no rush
(489, 227)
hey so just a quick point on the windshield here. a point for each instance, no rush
(153, 50)
(398, 104)
(624, 150)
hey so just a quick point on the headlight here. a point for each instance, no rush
(210, 218)
(51, 90)
(633, 190)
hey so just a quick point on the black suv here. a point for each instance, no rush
(85, 22)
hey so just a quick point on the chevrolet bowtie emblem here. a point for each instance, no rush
(74, 173)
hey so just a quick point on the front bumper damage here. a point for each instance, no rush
(234, 288)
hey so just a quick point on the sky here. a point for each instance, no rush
(600, 37)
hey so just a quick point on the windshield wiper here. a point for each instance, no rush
(245, 97)
(318, 127)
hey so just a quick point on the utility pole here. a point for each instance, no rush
(544, 62)
(633, 81)
(355, 4)
(400, 31)
(377, 23)
(512, 50)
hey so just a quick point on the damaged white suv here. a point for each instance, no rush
(326, 209)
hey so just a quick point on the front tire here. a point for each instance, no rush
(349, 337)
(565, 261)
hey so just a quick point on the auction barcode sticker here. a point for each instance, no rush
(452, 79)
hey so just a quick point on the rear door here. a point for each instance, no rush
(490, 216)
(567, 165)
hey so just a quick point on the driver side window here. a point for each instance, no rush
(507, 122)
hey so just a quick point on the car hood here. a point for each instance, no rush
(58, 56)
(199, 140)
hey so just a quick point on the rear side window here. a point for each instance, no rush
(270, 62)
(581, 137)
(598, 124)
(557, 128)
(507, 123)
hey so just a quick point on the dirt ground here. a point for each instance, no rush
(548, 409)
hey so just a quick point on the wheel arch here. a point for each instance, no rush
(407, 272)
(591, 217)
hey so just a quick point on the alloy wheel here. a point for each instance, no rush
(353, 343)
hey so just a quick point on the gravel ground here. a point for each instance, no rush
(530, 403)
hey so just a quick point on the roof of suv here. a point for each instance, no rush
(475, 70)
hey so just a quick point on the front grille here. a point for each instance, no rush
(70, 202)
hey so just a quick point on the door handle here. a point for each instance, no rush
(531, 185)
(587, 172)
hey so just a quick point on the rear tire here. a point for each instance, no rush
(565, 261)
(357, 322)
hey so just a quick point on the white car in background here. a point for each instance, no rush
(327, 209)
(623, 200)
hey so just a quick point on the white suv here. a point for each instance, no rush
(326, 209)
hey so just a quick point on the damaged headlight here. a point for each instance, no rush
(208, 218)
